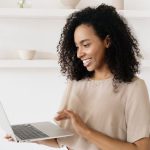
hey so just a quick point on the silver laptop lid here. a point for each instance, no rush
(4, 122)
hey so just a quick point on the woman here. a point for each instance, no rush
(106, 105)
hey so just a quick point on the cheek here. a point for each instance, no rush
(99, 55)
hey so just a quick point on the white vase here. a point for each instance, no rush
(118, 4)
(24, 3)
(70, 3)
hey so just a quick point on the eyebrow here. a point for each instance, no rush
(82, 41)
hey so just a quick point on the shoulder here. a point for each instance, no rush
(136, 83)
(134, 88)
(137, 88)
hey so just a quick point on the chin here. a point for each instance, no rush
(90, 69)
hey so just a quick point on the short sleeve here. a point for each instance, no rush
(63, 105)
(137, 112)
(65, 98)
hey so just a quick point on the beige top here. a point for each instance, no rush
(124, 115)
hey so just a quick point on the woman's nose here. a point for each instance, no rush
(80, 53)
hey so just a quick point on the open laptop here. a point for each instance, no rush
(31, 131)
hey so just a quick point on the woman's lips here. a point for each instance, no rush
(86, 62)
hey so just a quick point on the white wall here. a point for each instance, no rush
(43, 35)
(35, 94)
(128, 4)
(35, 3)
(137, 4)
(30, 94)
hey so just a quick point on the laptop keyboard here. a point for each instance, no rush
(27, 131)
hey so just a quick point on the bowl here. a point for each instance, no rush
(26, 54)
(70, 3)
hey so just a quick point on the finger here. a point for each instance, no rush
(70, 113)
(61, 111)
(61, 114)
(7, 136)
(60, 117)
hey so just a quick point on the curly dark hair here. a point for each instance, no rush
(122, 56)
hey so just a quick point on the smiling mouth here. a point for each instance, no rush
(86, 62)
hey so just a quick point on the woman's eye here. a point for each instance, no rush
(86, 45)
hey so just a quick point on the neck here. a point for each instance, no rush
(102, 73)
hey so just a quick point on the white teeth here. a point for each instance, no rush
(86, 62)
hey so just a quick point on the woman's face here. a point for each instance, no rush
(90, 48)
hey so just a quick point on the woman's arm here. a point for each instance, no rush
(102, 141)
(106, 143)
(49, 142)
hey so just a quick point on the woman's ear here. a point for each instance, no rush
(107, 41)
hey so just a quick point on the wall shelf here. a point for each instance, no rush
(18, 13)
(35, 13)
(59, 13)
(14, 63)
(42, 63)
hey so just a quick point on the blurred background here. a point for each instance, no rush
(31, 86)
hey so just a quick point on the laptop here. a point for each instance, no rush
(30, 132)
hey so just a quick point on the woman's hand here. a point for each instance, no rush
(8, 137)
(49, 142)
(79, 126)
